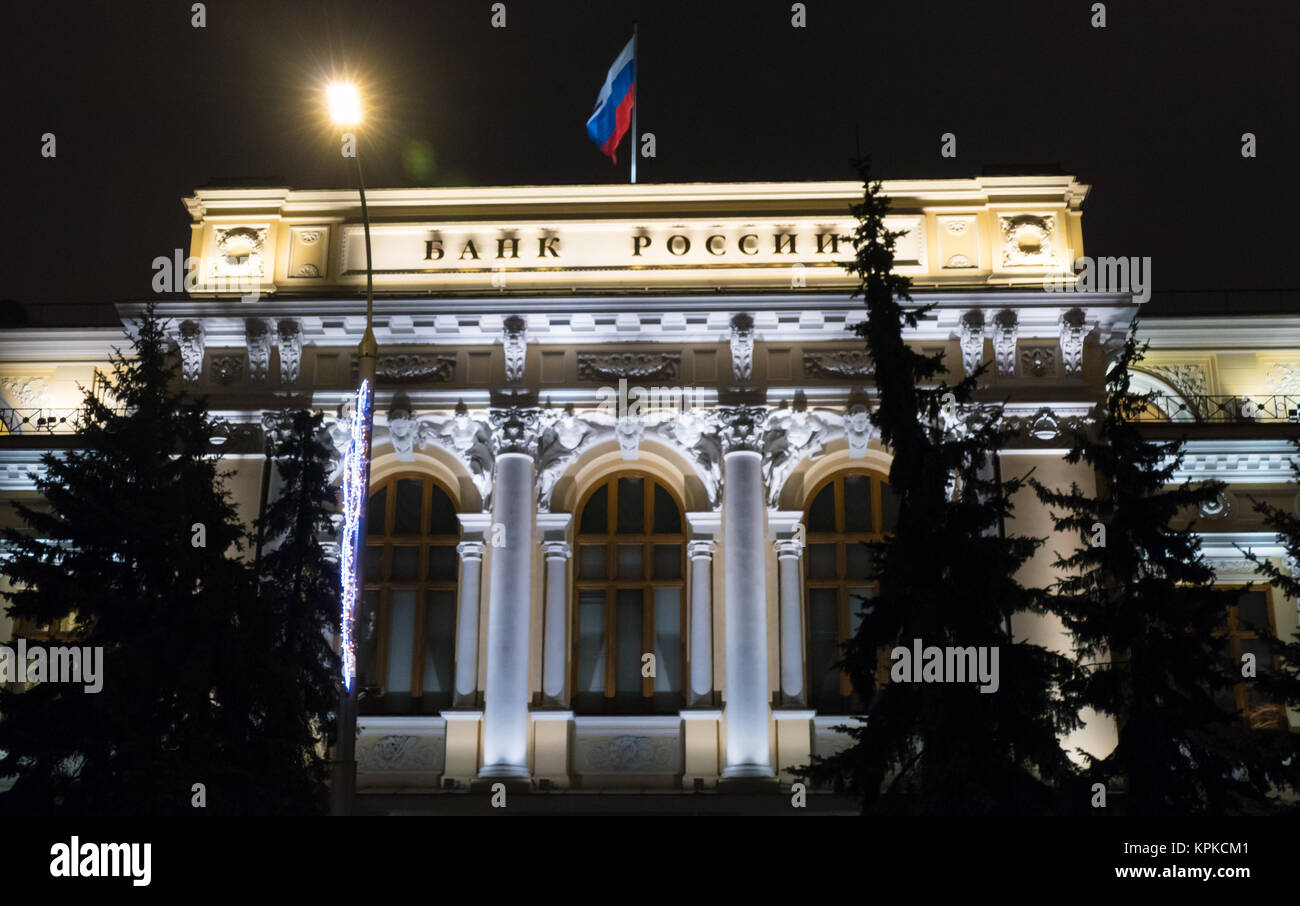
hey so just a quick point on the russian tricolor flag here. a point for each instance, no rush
(613, 114)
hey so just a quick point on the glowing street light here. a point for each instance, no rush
(344, 101)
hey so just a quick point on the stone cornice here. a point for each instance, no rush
(672, 320)
(675, 198)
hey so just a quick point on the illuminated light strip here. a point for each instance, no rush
(356, 476)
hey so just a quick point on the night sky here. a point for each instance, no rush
(1149, 111)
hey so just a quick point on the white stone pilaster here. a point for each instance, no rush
(474, 528)
(554, 528)
(705, 527)
(788, 542)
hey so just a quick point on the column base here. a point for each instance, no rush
(513, 784)
(750, 784)
(748, 772)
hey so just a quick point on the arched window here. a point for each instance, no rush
(407, 625)
(629, 599)
(846, 510)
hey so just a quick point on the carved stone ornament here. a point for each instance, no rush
(1039, 361)
(400, 755)
(288, 338)
(412, 368)
(1073, 330)
(27, 392)
(227, 369)
(516, 347)
(239, 251)
(740, 427)
(468, 439)
(401, 434)
(972, 341)
(1284, 378)
(514, 429)
(600, 366)
(857, 428)
(792, 435)
(742, 346)
(629, 754)
(1005, 330)
(258, 337)
(628, 430)
(190, 340)
(844, 363)
(1028, 240)
(1220, 507)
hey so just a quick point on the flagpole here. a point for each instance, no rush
(636, 75)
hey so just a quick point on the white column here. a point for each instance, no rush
(748, 746)
(788, 551)
(701, 554)
(505, 701)
(557, 555)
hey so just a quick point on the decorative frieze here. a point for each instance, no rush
(423, 754)
(601, 366)
(412, 368)
(843, 363)
(628, 754)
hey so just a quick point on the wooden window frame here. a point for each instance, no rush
(382, 544)
(611, 584)
(1234, 633)
(841, 583)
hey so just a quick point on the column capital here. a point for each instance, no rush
(788, 547)
(471, 550)
(740, 428)
(557, 549)
(701, 549)
(515, 429)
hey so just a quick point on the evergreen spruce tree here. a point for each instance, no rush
(946, 576)
(296, 604)
(135, 539)
(1140, 601)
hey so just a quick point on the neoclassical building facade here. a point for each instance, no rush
(622, 457)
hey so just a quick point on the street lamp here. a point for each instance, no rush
(344, 101)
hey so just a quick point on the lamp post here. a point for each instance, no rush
(345, 110)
